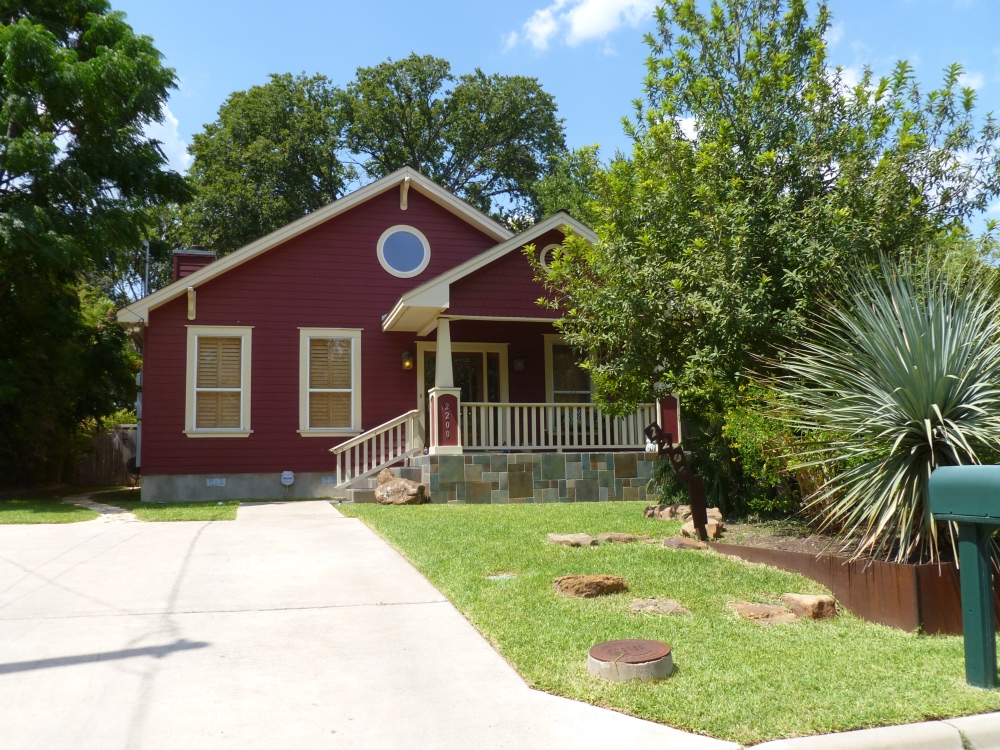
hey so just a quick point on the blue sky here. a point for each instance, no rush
(588, 53)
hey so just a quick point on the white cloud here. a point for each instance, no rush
(577, 21)
(688, 127)
(851, 76)
(972, 80)
(173, 146)
(510, 40)
(994, 209)
(835, 33)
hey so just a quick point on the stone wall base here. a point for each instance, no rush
(537, 477)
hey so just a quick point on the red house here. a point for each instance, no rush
(397, 326)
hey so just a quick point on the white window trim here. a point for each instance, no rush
(329, 333)
(245, 334)
(550, 339)
(423, 241)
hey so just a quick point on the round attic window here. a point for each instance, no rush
(547, 254)
(403, 251)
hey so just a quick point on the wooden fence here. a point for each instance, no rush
(106, 464)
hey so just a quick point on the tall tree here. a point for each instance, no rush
(486, 138)
(269, 158)
(77, 173)
(715, 248)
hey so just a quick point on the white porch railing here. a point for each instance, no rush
(378, 448)
(551, 427)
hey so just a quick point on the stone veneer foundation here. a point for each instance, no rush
(536, 477)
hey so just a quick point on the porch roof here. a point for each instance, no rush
(418, 309)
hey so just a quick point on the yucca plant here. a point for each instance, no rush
(901, 375)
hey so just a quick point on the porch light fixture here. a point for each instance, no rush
(518, 363)
(407, 361)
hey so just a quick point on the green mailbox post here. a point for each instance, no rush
(970, 496)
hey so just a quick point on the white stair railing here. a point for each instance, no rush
(378, 448)
(582, 426)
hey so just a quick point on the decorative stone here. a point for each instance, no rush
(765, 614)
(713, 528)
(631, 659)
(666, 512)
(680, 542)
(572, 540)
(392, 490)
(657, 607)
(811, 607)
(589, 586)
(615, 538)
(678, 513)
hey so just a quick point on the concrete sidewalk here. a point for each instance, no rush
(292, 627)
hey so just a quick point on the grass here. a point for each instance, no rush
(223, 510)
(42, 507)
(734, 679)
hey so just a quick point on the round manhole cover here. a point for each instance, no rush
(630, 651)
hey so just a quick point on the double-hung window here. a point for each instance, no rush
(566, 381)
(218, 381)
(329, 381)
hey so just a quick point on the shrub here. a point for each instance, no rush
(901, 374)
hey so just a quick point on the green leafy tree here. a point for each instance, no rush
(486, 138)
(269, 158)
(77, 87)
(716, 248)
(572, 184)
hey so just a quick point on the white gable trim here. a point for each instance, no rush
(435, 295)
(138, 311)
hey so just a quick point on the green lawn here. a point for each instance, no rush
(224, 510)
(734, 679)
(42, 507)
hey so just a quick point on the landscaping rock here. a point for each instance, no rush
(392, 490)
(573, 540)
(667, 512)
(765, 614)
(713, 528)
(680, 542)
(657, 607)
(678, 513)
(613, 538)
(589, 586)
(811, 607)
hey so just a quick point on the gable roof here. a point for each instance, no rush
(418, 309)
(137, 313)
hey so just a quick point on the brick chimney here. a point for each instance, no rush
(188, 261)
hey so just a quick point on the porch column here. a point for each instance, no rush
(443, 375)
(444, 428)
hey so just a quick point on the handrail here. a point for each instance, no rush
(550, 426)
(358, 439)
(377, 449)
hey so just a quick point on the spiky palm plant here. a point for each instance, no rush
(901, 375)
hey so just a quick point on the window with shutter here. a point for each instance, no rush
(218, 381)
(330, 381)
(218, 388)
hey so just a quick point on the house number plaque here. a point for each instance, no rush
(447, 415)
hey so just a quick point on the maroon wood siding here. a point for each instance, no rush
(327, 277)
(505, 288)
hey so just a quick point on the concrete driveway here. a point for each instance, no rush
(292, 627)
